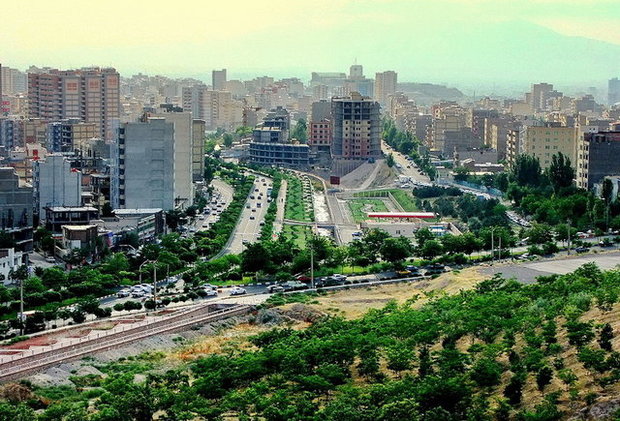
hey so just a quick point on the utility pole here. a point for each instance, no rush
(155, 284)
(312, 263)
(21, 306)
(492, 246)
(499, 252)
(568, 222)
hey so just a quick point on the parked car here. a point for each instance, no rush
(435, 268)
(294, 286)
(582, 249)
(138, 293)
(327, 281)
(275, 288)
(211, 292)
(50, 259)
(238, 291)
(338, 277)
(123, 293)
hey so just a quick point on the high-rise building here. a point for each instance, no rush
(356, 127)
(55, 184)
(218, 79)
(183, 142)
(16, 208)
(217, 108)
(613, 91)
(13, 81)
(91, 95)
(539, 95)
(385, 85)
(198, 150)
(597, 158)
(143, 166)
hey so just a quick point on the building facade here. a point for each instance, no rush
(55, 184)
(16, 208)
(550, 139)
(385, 85)
(356, 132)
(143, 166)
(597, 158)
(90, 95)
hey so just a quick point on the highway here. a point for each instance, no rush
(253, 214)
(407, 168)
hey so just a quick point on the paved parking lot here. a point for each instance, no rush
(527, 272)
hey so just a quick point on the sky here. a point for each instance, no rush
(451, 41)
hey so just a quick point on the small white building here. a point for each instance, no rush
(10, 259)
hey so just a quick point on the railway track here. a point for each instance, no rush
(24, 366)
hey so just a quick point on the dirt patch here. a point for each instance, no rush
(354, 303)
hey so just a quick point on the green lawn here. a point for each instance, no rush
(297, 233)
(360, 207)
(404, 198)
(295, 208)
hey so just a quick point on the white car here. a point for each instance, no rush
(50, 259)
(123, 293)
(138, 293)
(237, 291)
(211, 292)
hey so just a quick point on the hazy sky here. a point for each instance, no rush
(424, 40)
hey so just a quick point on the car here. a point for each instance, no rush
(294, 285)
(192, 229)
(606, 243)
(50, 259)
(253, 210)
(303, 278)
(582, 249)
(237, 291)
(138, 293)
(256, 190)
(211, 292)
(262, 223)
(252, 197)
(252, 217)
(258, 205)
(327, 281)
(264, 184)
(201, 217)
(435, 268)
(123, 293)
(338, 277)
(248, 206)
(275, 288)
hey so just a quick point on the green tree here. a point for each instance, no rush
(526, 171)
(396, 250)
(461, 174)
(228, 140)
(543, 377)
(607, 190)
(430, 249)
(561, 173)
(606, 334)
(390, 160)
(300, 131)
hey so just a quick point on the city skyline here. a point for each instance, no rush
(490, 41)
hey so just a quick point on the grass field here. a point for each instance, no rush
(297, 233)
(360, 207)
(296, 209)
(404, 198)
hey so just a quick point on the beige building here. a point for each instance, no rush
(91, 95)
(546, 141)
(385, 85)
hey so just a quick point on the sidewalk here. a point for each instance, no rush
(281, 206)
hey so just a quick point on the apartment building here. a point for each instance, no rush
(143, 166)
(356, 127)
(218, 80)
(547, 140)
(91, 95)
(597, 158)
(16, 208)
(55, 183)
(385, 85)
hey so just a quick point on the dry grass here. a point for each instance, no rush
(355, 302)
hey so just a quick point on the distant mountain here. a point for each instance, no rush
(430, 90)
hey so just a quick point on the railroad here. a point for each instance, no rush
(20, 367)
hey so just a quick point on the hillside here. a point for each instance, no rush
(501, 350)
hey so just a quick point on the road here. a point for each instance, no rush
(253, 214)
(527, 272)
(278, 222)
(221, 199)
(407, 168)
